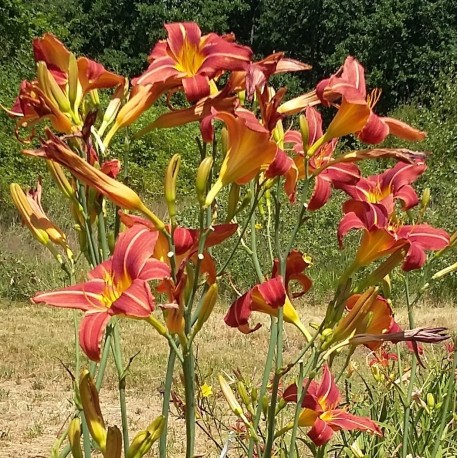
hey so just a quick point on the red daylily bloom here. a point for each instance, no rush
(258, 73)
(382, 358)
(336, 176)
(321, 412)
(381, 237)
(62, 83)
(186, 243)
(356, 110)
(383, 189)
(270, 295)
(118, 286)
(190, 60)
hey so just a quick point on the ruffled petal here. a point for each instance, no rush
(320, 433)
(136, 301)
(91, 332)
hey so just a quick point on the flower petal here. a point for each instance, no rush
(132, 249)
(83, 296)
(136, 301)
(340, 419)
(91, 332)
(320, 433)
(328, 394)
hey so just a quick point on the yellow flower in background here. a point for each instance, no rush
(206, 391)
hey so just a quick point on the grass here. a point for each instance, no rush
(35, 388)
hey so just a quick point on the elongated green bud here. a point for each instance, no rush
(54, 89)
(430, 401)
(425, 197)
(74, 86)
(234, 196)
(243, 393)
(443, 272)
(74, 438)
(230, 397)
(203, 174)
(91, 409)
(208, 304)
(170, 184)
(114, 443)
(254, 394)
(143, 441)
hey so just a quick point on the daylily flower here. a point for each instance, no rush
(368, 313)
(336, 176)
(249, 150)
(256, 76)
(120, 194)
(382, 357)
(118, 286)
(321, 412)
(33, 215)
(355, 114)
(270, 295)
(186, 243)
(62, 83)
(190, 60)
(382, 237)
(383, 189)
(201, 111)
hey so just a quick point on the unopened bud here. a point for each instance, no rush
(208, 304)
(425, 197)
(203, 173)
(254, 394)
(430, 401)
(445, 271)
(143, 441)
(376, 373)
(170, 184)
(91, 409)
(243, 393)
(386, 286)
(265, 405)
(230, 397)
(114, 443)
(233, 200)
(74, 438)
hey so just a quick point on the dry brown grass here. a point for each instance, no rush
(35, 390)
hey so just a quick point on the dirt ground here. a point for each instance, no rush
(35, 389)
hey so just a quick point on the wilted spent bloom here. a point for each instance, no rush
(33, 215)
(114, 443)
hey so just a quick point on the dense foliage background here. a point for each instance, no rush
(407, 46)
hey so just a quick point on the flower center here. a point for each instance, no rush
(113, 291)
(190, 59)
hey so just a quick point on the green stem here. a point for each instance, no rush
(104, 358)
(116, 346)
(166, 402)
(103, 233)
(190, 417)
(86, 437)
(265, 381)
(254, 253)
(407, 409)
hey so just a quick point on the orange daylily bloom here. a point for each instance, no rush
(62, 83)
(120, 194)
(190, 60)
(368, 313)
(250, 150)
(355, 114)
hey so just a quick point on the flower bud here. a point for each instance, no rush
(254, 394)
(208, 304)
(74, 87)
(74, 438)
(203, 174)
(444, 272)
(170, 184)
(234, 195)
(51, 88)
(91, 409)
(243, 393)
(114, 443)
(430, 401)
(265, 405)
(425, 197)
(229, 396)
